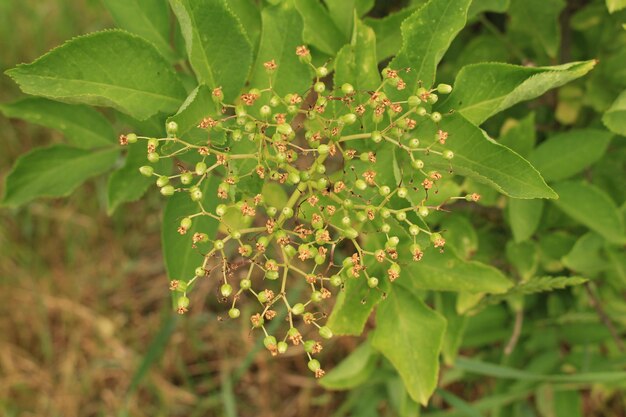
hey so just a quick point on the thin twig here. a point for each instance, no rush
(517, 331)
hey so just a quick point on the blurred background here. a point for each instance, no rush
(87, 328)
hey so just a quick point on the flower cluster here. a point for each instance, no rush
(337, 222)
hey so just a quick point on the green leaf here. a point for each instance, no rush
(353, 370)
(524, 217)
(54, 172)
(592, 207)
(388, 32)
(615, 5)
(556, 403)
(111, 68)
(353, 306)
(479, 157)
(498, 371)
(319, 29)
(461, 235)
(496, 6)
(126, 183)
(149, 19)
(410, 335)
(356, 63)
(586, 257)
(217, 46)
(521, 136)
(282, 33)
(524, 257)
(426, 35)
(447, 272)
(538, 20)
(446, 304)
(249, 14)
(181, 259)
(342, 12)
(198, 105)
(482, 90)
(83, 126)
(546, 283)
(615, 117)
(566, 154)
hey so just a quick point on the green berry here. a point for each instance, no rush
(153, 157)
(245, 284)
(385, 228)
(226, 290)
(336, 281)
(287, 212)
(284, 129)
(347, 89)
(246, 250)
(281, 347)
(146, 170)
(417, 164)
(444, 89)
(314, 365)
(218, 244)
(185, 223)
(200, 168)
(162, 181)
(435, 237)
(421, 111)
(435, 117)
(349, 118)
(269, 342)
(168, 190)
(433, 98)
(384, 190)
(186, 178)
(259, 323)
(172, 129)
(323, 149)
(360, 184)
(220, 210)
(271, 275)
(321, 72)
(234, 313)
(325, 332)
(195, 193)
(402, 192)
(372, 282)
(377, 137)
(423, 211)
(401, 216)
(182, 302)
(316, 296)
(448, 154)
(414, 101)
(414, 143)
(297, 309)
(319, 87)
(131, 138)
(414, 230)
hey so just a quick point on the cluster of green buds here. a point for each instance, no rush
(322, 149)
